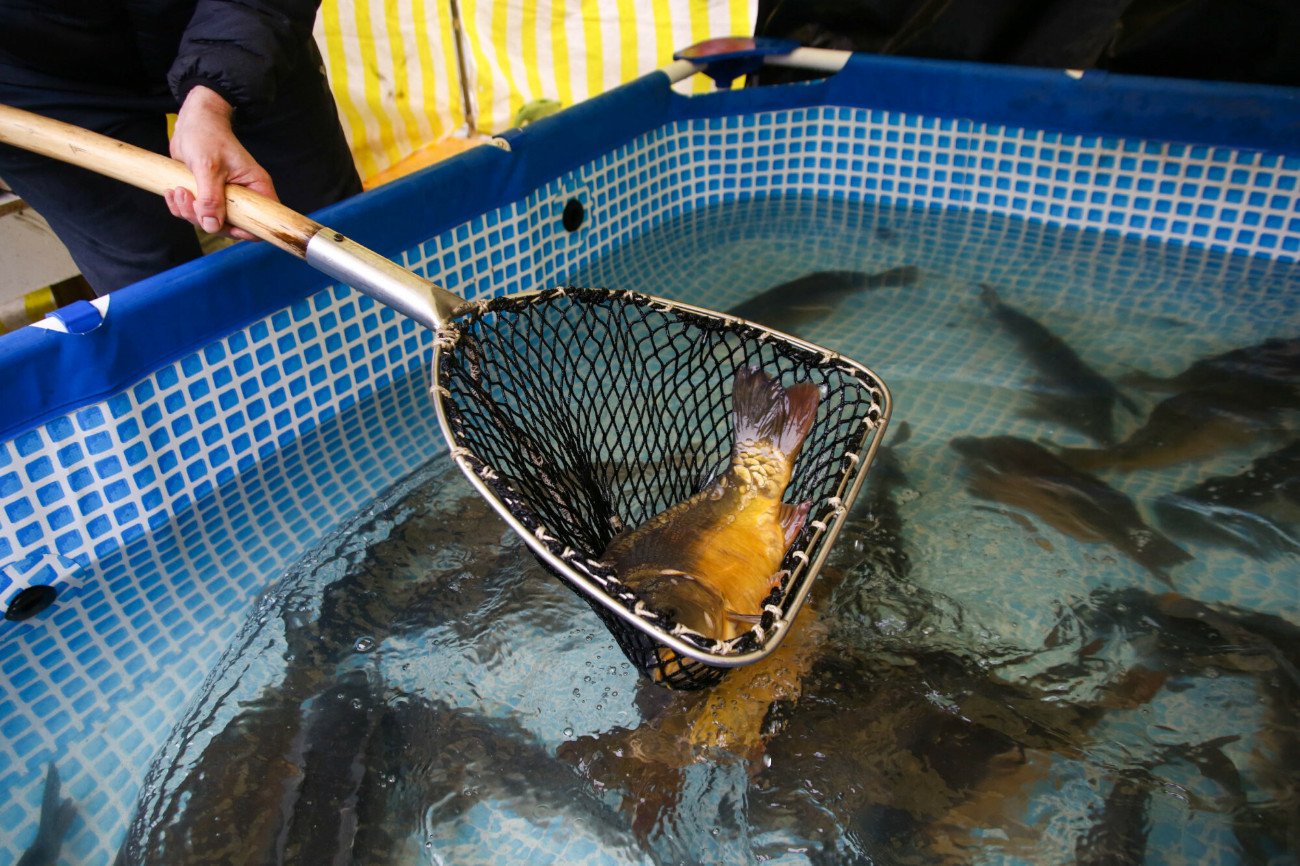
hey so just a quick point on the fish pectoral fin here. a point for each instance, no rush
(792, 518)
(750, 618)
(682, 597)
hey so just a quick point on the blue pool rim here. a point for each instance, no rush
(163, 318)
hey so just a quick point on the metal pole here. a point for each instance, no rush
(458, 31)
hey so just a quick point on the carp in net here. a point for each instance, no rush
(581, 412)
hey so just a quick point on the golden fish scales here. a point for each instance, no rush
(710, 562)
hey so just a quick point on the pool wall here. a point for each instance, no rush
(230, 412)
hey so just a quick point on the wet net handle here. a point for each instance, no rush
(321, 247)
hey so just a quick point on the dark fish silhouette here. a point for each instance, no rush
(1119, 835)
(906, 758)
(871, 552)
(877, 516)
(1273, 365)
(1070, 391)
(430, 764)
(815, 296)
(340, 722)
(1191, 638)
(1256, 510)
(1222, 402)
(56, 816)
(1187, 426)
(1019, 473)
(1199, 634)
(235, 799)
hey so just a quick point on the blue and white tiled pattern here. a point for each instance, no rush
(224, 466)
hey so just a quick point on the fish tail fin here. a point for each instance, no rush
(792, 519)
(56, 815)
(767, 411)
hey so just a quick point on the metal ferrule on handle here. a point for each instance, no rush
(386, 282)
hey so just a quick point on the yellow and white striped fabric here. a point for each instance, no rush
(395, 74)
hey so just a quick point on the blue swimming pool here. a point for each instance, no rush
(163, 497)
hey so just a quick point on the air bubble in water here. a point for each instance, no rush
(364, 644)
(568, 732)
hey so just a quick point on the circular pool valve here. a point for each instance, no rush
(30, 602)
(574, 214)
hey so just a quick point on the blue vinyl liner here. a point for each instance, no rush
(47, 374)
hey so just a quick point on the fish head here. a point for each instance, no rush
(685, 600)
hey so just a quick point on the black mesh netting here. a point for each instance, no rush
(586, 410)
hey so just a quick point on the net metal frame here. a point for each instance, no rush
(579, 412)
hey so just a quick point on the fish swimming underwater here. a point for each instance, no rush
(1221, 402)
(1070, 390)
(1024, 475)
(1187, 426)
(239, 784)
(1273, 364)
(710, 561)
(815, 296)
(56, 816)
(1257, 510)
(914, 754)
(1194, 639)
(1119, 836)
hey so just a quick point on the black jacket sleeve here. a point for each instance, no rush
(242, 48)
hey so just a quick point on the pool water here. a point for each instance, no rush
(991, 670)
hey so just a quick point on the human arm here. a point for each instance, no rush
(232, 57)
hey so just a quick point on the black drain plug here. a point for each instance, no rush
(574, 214)
(30, 602)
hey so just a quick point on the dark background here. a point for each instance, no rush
(1255, 41)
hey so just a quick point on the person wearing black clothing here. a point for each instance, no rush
(246, 81)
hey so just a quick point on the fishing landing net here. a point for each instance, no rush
(580, 412)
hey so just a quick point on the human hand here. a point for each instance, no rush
(204, 141)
